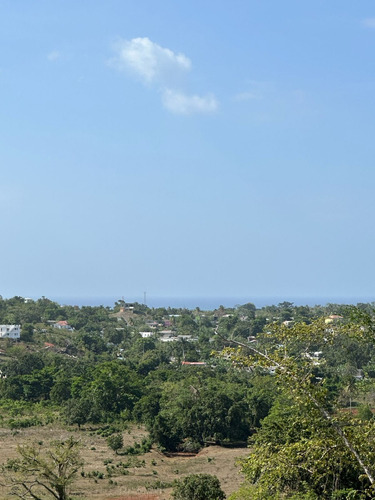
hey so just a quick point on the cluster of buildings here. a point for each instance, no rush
(168, 336)
(14, 331)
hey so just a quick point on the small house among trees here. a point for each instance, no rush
(62, 325)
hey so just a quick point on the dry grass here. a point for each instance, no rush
(212, 460)
(138, 497)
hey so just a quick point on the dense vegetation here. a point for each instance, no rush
(286, 378)
(198, 487)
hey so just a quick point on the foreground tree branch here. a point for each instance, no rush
(39, 472)
(298, 377)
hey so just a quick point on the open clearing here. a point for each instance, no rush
(138, 483)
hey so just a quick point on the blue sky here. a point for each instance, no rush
(187, 148)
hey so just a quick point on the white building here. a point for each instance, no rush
(63, 325)
(146, 335)
(10, 331)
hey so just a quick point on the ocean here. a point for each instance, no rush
(210, 303)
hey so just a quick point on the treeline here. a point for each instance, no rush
(256, 371)
(183, 407)
(103, 370)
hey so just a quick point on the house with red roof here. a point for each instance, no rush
(63, 325)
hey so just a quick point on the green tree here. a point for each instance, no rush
(365, 413)
(79, 411)
(257, 325)
(40, 473)
(196, 411)
(328, 449)
(61, 390)
(186, 324)
(115, 335)
(249, 307)
(92, 341)
(114, 387)
(198, 487)
(27, 332)
(115, 442)
(23, 362)
(295, 451)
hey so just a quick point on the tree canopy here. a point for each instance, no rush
(308, 442)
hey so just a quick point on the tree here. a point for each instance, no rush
(114, 387)
(295, 451)
(198, 487)
(41, 473)
(27, 332)
(309, 444)
(115, 442)
(79, 411)
(248, 310)
(365, 413)
(200, 409)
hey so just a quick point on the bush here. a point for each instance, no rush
(198, 487)
(190, 446)
(158, 485)
(138, 448)
(365, 413)
(23, 423)
(115, 442)
(255, 492)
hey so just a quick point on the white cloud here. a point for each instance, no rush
(369, 22)
(148, 60)
(54, 55)
(180, 103)
(163, 69)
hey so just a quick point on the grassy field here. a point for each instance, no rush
(112, 477)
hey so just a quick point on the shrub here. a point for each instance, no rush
(365, 413)
(198, 487)
(138, 448)
(115, 442)
(158, 485)
(190, 446)
(23, 423)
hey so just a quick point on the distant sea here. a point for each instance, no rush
(210, 303)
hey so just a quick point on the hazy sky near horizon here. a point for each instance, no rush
(187, 148)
